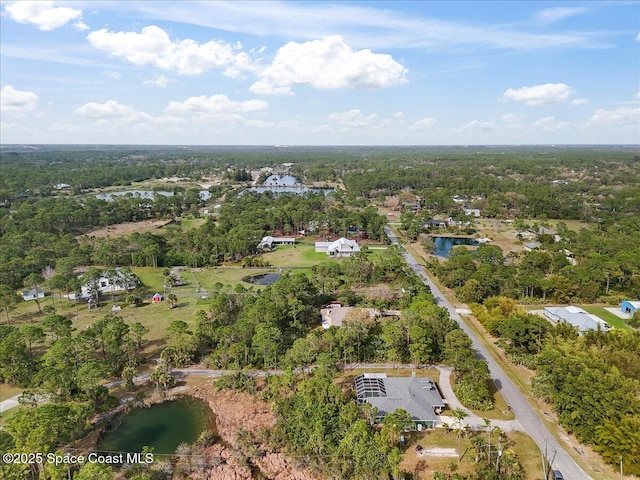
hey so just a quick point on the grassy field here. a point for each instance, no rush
(8, 391)
(527, 451)
(607, 316)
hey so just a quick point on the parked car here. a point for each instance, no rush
(557, 475)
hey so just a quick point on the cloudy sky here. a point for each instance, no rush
(320, 73)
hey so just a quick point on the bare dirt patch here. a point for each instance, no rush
(236, 413)
(123, 229)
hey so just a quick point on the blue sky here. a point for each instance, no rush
(320, 73)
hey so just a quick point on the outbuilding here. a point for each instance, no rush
(630, 306)
(32, 294)
(157, 298)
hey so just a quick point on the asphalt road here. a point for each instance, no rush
(526, 416)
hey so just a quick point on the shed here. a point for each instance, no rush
(157, 298)
(630, 306)
(32, 294)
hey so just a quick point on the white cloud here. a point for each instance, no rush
(579, 101)
(328, 63)
(546, 94)
(216, 104)
(549, 124)
(638, 37)
(425, 123)
(620, 117)
(160, 81)
(352, 118)
(17, 101)
(42, 13)
(81, 26)
(551, 15)
(111, 110)
(511, 117)
(154, 47)
(114, 75)
(478, 125)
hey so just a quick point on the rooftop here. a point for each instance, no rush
(418, 396)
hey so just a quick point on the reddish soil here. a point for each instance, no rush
(236, 412)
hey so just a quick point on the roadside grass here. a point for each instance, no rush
(8, 391)
(4, 416)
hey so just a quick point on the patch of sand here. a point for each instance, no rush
(438, 452)
(122, 229)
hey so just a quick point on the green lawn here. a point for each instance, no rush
(8, 391)
(4, 416)
(607, 316)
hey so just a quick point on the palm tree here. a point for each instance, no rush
(173, 300)
(459, 415)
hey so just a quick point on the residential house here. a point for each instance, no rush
(333, 315)
(419, 397)
(340, 248)
(530, 246)
(630, 306)
(433, 223)
(267, 243)
(577, 317)
(116, 282)
(472, 212)
(32, 294)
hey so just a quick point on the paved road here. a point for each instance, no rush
(9, 403)
(526, 416)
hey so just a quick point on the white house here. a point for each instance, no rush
(342, 247)
(32, 294)
(472, 212)
(267, 243)
(105, 284)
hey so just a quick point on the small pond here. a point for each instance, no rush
(445, 244)
(162, 426)
(263, 278)
(147, 194)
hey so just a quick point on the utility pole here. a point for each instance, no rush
(620, 467)
(544, 460)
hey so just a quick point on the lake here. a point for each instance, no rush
(263, 279)
(162, 426)
(281, 180)
(445, 244)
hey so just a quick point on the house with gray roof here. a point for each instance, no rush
(577, 317)
(419, 397)
(267, 243)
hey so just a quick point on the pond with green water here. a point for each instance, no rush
(162, 426)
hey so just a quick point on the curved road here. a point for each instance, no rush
(526, 416)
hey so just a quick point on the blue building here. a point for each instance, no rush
(630, 306)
